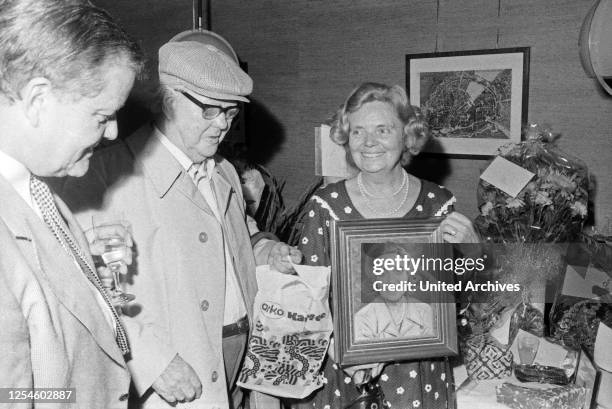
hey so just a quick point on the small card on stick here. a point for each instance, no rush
(507, 176)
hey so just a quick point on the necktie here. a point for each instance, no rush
(198, 171)
(51, 216)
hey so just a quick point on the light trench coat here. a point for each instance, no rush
(178, 273)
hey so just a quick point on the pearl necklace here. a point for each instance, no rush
(365, 194)
(363, 190)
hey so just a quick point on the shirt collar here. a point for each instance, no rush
(17, 175)
(178, 154)
(208, 165)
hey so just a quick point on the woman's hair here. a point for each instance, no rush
(415, 130)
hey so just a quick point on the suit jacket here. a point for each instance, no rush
(54, 334)
(178, 273)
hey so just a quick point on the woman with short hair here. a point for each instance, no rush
(381, 133)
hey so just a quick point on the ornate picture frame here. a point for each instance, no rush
(363, 331)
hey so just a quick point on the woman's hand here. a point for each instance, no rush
(359, 373)
(456, 228)
(364, 373)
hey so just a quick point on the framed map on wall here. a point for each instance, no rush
(474, 101)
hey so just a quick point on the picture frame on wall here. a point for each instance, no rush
(379, 316)
(475, 101)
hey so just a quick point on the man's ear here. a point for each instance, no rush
(34, 95)
(167, 104)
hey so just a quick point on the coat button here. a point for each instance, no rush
(214, 376)
(204, 305)
(203, 237)
(123, 397)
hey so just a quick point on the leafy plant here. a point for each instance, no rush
(270, 211)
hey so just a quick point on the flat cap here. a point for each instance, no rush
(203, 69)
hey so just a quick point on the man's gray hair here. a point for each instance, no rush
(65, 41)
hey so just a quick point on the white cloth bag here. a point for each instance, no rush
(290, 334)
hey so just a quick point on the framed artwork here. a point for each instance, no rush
(474, 101)
(387, 307)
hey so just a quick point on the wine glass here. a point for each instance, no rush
(112, 239)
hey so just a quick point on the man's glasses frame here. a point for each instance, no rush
(210, 112)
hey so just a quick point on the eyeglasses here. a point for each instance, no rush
(210, 112)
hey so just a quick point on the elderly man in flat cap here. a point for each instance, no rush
(194, 263)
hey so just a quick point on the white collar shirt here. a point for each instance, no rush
(18, 176)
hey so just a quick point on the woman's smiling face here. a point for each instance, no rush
(376, 137)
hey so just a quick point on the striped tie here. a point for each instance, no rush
(51, 216)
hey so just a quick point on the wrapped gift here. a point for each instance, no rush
(527, 318)
(542, 360)
(603, 359)
(587, 376)
(485, 358)
(541, 374)
(581, 302)
(558, 397)
(574, 322)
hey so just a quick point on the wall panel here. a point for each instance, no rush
(306, 55)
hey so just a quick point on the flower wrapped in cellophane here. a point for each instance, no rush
(525, 234)
(551, 208)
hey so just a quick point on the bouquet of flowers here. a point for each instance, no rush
(525, 232)
(550, 209)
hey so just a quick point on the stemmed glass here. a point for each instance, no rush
(112, 238)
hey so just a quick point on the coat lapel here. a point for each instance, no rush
(53, 266)
(223, 189)
(161, 168)
(187, 188)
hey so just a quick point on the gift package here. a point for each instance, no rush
(554, 375)
(485, 358)
(555, 397)
(583, 297)
(542, 360)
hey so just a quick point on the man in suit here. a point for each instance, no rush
(194, 270)
(65, 69)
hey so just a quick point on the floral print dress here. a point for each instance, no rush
(415, 384)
